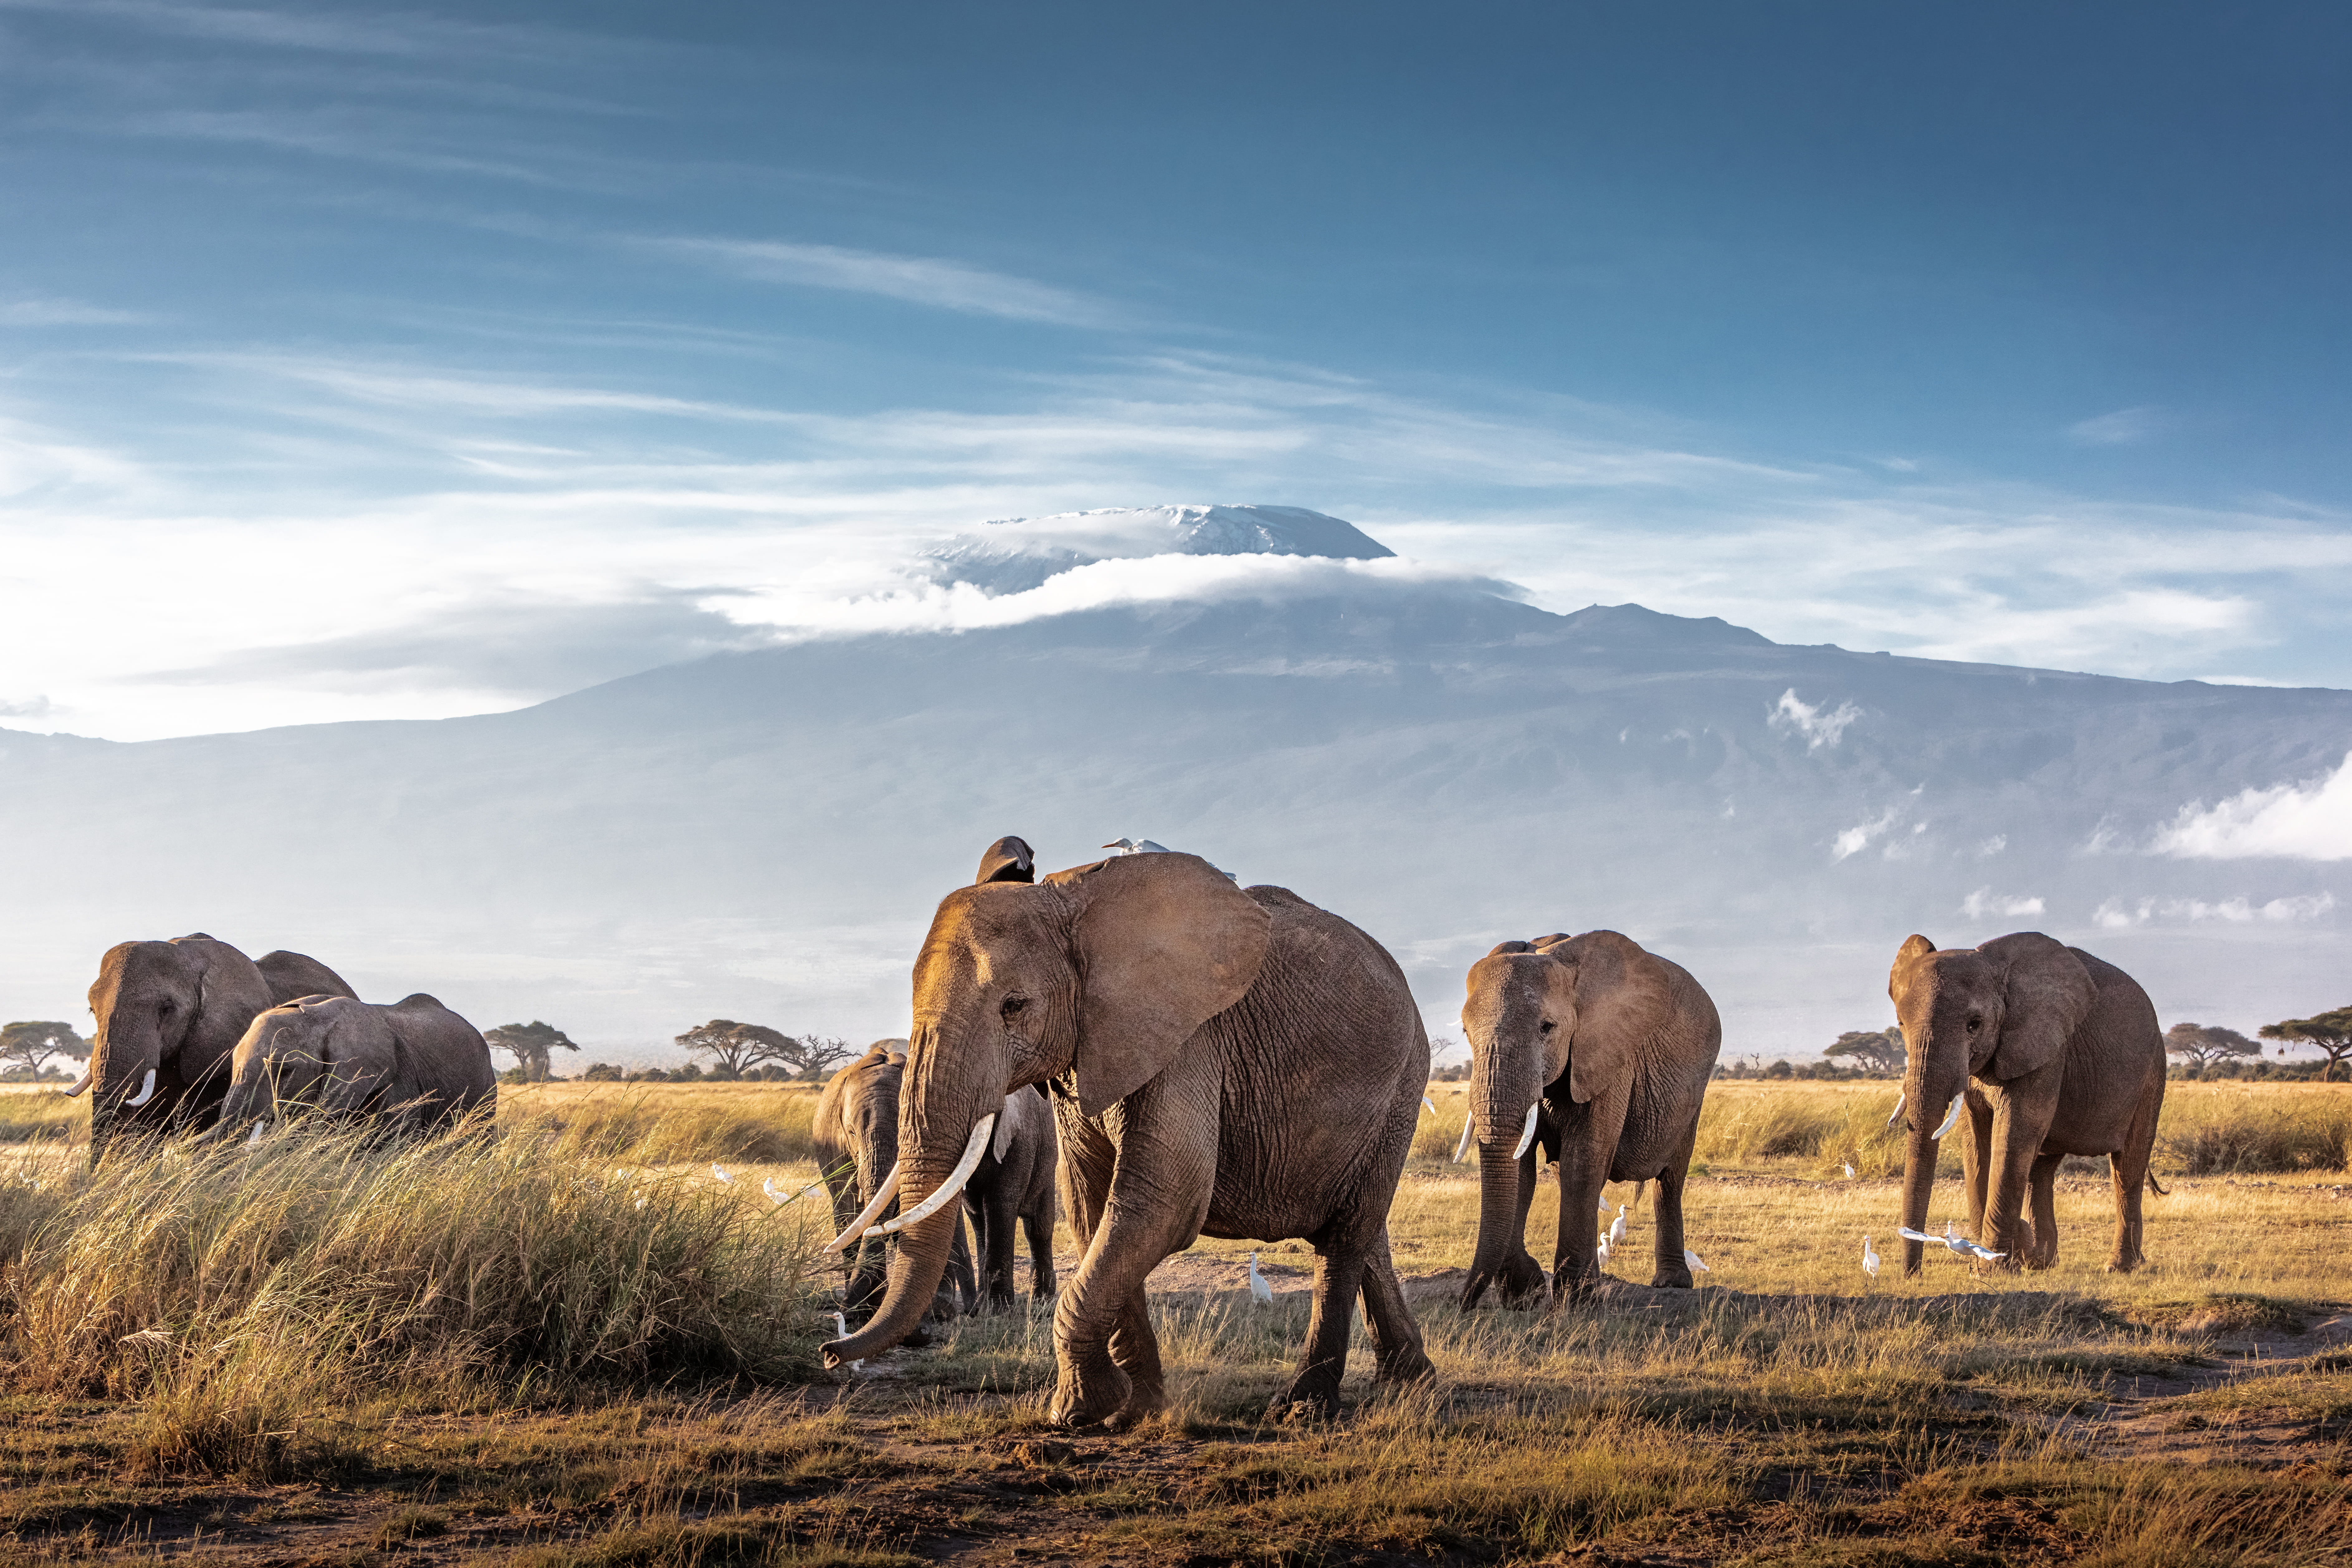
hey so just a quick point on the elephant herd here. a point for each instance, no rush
(1235, 1062)
(193, 1036)
(1172, 1056)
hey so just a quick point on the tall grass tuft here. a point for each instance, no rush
(670, 1125)
(255, 1297)
(41, 1115)
(2219, 1132)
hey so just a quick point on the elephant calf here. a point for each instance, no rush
(412, 1063)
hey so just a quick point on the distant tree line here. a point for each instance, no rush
(33, 1049)
(735, 1052)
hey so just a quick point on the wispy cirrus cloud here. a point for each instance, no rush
(63, 313)
(2123, 428)
(939, 283)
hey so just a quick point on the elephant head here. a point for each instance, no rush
(1564, 1017)
(1996, 1012)
(169, 1017)
(1092, 978)
(327, 1053)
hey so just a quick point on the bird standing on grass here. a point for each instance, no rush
(720, 1173)
(1617, 1228)
(1260, 1291)
(1869, 1258)
(1693, 1259)
(1603, 1249)
(1849, 1169)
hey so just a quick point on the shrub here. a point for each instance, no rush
(252, 1297)
(670, 1129)
(2248, 1132)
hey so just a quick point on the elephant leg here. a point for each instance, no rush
(1167, 1154)
(997, 1245)
(1039, 1228)
(2041, 1237)
(1398, 1355)
(1674, 1271)
(1339, 1280)
(2017, 1135)
(2129, 1167)
(1522, 1276)
(1976, 1161)
(1587, 1143)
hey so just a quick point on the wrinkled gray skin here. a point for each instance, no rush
(293, 975)
(179, 1007)
(1616, 1046)
(2058, 1053)
(413, 1065)
(855, 1134)
(1224, 1062)
(1014, 1187)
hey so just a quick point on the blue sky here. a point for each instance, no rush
(364, 363)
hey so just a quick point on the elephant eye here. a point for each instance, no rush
(1546, 1026)
(1975, 1024)
(1013, 1005)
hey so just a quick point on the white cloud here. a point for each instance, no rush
(1856, 839)
(917, 279)
(2308, 821)
(1985, 902)
(2118, 914)
(2124, 428)
(62, 313)
(1992, 846)
(1820, 728)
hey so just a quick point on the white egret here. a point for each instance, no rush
(720, 1173)
(841, 1331)
(1848, 1167)
(1959, 1245)
(1869, 1258)
(1617, 1227)
(1601, 1249)
(1260, 1291)
(1693, 1259)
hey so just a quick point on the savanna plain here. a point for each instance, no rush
(573, 1344)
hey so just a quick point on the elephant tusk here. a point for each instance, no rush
(259, 1127)
(1462, 1148)
(1429, 1105)
(1949, 1117)
(857, 1227)
(1528, 1133)
(87, 1073)
(1898, 1114)
(146, 1091)
(974, 1147)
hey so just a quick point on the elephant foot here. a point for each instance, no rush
(1570, 1287)
(2125, 1264)
(1141, 1404)
(1676, 1276)
(1311, 1396)
(1090, 1397)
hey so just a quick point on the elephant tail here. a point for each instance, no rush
(2154, 1186)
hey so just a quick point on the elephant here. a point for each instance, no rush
(1009, 859)
(855, 1136)
(170, 1014)
(2050, 1052)
(1014, 1183)
(1602, 1051)
(293, 975)
(1227, 1062)
(414, 1064)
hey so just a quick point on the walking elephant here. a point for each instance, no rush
(855, 1137)
(170, 1014)
(1598, 1052)
(1223, 1061)
(413, 1064)
(2050, 1052)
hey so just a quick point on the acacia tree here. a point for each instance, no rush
(2331, 1032)
(1878, 1052)
(737, 1049)
(531, 1045)
(2206, 1046)
(30, 1044)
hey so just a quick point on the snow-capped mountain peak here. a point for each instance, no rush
(1010, 555)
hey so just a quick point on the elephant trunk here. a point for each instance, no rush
(1499, 1212)
(1925, 1096)
(122, 1068)
(252, 1097)
(921, 1260)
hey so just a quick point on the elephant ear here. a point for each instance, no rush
(230, 993)
(1009, 859)
(1163, 943)
(362, 1050)
(2046, 994)
(1622, 1000)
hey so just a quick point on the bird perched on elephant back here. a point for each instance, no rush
(413, 1065)
(1605, 1049)
(170, 1014)
(1223, 1061)
(855, 1136)
(2047, 1051)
